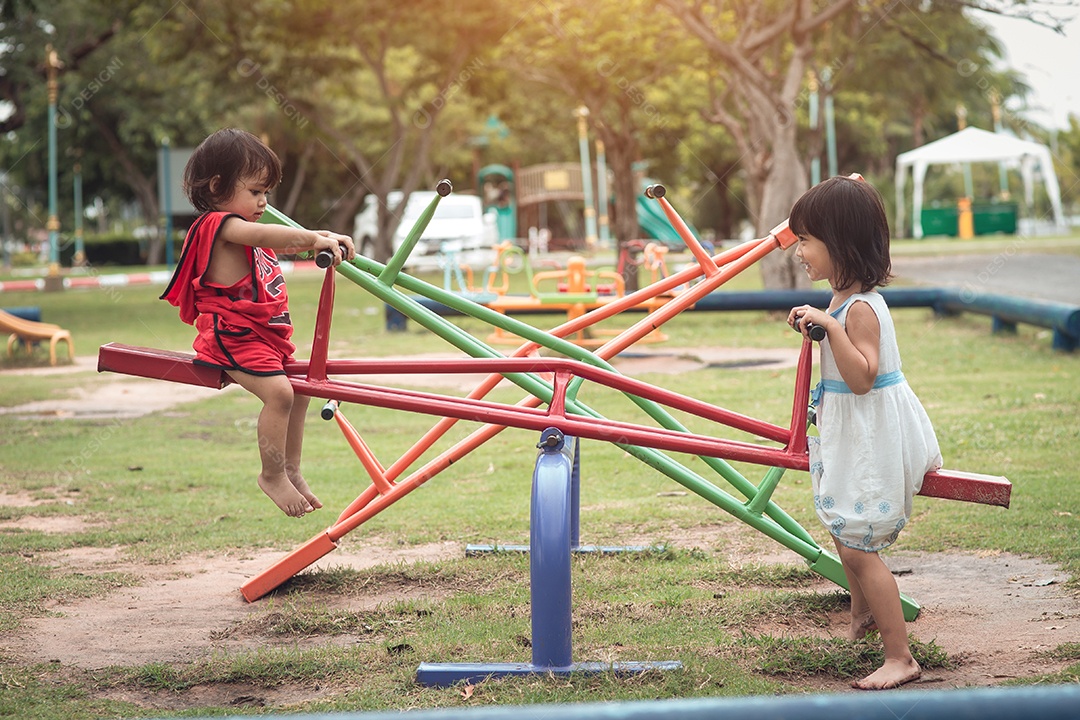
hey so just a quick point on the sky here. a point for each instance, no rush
(1050, 62)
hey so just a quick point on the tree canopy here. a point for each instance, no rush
(360, 97)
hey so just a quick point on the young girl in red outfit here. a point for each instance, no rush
(875, 441)
(229, 286)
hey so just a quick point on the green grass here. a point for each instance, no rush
(182, 482)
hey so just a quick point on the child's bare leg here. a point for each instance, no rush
(883, 598)
(277, 397)
(294, 446)
(862, 620)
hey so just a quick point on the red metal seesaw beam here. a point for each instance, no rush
(499, 367)
(178, 367)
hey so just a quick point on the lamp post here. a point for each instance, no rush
(586, 177)
(5, 213)
(80, 249)
(815, 161)
(52, 65)
(602, 194)
(830, 123)
(1003, 175)
(166, 200)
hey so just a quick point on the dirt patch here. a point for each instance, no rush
(124, 398)
(998, 613)
(181, 612)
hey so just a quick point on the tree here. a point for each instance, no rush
(762, 51)
(615, 60)
(374, 82)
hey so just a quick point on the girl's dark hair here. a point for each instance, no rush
(849, 217)
(221, 161)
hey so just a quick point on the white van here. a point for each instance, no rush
(459, 224)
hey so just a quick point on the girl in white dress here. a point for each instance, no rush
(875, 441)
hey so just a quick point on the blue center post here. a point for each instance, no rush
(552, 518)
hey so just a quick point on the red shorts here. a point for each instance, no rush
(219, 344)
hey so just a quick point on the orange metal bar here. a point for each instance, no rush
(363, 452)
(663, 314)
(369, 494)
(708, 265)
(287, 567)
(416, 479)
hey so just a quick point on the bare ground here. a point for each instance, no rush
(998, 613)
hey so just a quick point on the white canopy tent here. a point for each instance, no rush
(972, 145)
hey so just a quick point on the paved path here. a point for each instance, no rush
(1046, 276)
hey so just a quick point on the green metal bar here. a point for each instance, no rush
(765, 490)
(543, 390)
(273, 216)
(463, 341)
(397, 261)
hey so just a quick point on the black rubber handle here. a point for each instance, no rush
(325, 258)
(815, 332)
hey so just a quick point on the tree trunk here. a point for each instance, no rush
(145, 188)
(725, 224)
(345, 209)
(289, 208)
(621, 153)
(785, 181)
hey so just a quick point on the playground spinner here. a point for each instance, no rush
(551, 386)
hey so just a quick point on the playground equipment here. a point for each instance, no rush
(528, 192)
(1005, 311)
(30, 332)
(1044, 701)
(574, 290)
(554, 382)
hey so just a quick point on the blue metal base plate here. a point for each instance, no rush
(446, 674)
(477, 550)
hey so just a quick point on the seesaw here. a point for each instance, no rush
(555, 383)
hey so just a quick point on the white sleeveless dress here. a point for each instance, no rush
(873, 449)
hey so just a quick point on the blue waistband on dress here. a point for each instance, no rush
(839, 386)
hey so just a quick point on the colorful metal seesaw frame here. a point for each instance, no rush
(554, 382)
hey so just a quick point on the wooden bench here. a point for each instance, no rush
(30, 332)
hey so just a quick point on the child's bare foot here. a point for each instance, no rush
(861, 626)
(301, 486)
(892, 674)
(285, 496)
